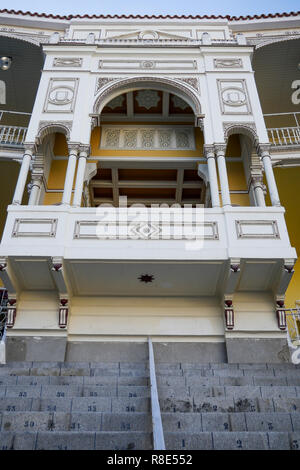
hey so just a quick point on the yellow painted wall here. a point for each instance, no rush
(56, 179)
(288, 180)
(233, 146)
(179, 316)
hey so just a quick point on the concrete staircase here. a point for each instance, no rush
(97, 406)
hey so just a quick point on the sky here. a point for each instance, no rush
(173, 7)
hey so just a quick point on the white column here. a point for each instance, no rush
(258, 191)
(220, 151)
(19, 191)
(266, 159)
(35, 190)
(80, 179)
(66, 199)
(212, 175)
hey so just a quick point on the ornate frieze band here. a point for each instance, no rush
(148, 138)
(120, 64)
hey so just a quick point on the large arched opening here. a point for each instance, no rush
(147, 147)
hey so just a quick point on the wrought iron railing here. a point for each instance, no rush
(12, 135)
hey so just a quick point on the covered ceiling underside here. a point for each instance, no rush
(276, 67)
(21, 79)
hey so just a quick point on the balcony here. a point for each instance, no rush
(286, 134)
(12, 136)
(13, 129)
(108, 255)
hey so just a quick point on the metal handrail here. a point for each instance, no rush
(158, 432)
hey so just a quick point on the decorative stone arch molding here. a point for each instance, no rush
(48, 127)
(275, 40)
(246, 128)
(110, 90)
(21, 37)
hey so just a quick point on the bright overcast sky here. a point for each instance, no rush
(173, 7)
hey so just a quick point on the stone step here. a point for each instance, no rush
(75, 441)
(48, 440)
(36, 421)
(232, 441)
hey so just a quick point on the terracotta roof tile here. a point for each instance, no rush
(190, 17)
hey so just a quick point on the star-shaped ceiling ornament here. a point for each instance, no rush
(146, 278)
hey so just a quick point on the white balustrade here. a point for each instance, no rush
(12, 135)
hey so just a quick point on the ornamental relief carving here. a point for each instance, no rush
(233, 94)
(102, 81)
(193, 82)
(247, 128)
(181, 138)
(61, 95)
(123, 82)
(67, 62)
(228, 63)
(130, 139)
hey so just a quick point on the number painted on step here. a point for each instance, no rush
(93, 394)
(130, 408)
(132, 394)
(125, 426)
(51, 408)
(295, 445)
(226, 426)
(75, 426)
(60, 394)
(92, 408)
(270, 426)
(29, 424)
(11, 408)
(23, 394)
(239, 444)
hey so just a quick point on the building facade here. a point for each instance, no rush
(104, 117)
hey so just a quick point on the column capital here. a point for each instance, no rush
(95, 120)
(209, 150)
(263, 150)
(220, 148)
(73, 148)
(29, 148)
(199, 121)
(84, 149)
